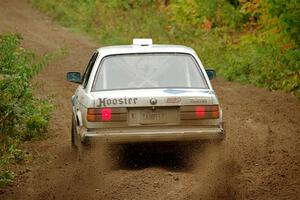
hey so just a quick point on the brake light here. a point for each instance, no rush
(199, 112)
(207, 112)
(106, 114)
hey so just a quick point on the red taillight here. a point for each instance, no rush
(199, 112)
(207, 112)
(106, 114)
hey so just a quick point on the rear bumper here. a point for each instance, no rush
(155, 135)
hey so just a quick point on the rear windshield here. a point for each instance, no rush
(163, 70)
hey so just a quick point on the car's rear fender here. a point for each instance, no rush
(79, 118)
(76, 113)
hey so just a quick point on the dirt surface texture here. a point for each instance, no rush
(259, 159)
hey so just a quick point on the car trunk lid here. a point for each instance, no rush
(148, 107)
(151, 97)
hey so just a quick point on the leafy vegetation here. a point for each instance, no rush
(6, 177)
(22, 116)
(252, 41)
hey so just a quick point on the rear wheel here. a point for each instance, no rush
(76, 143)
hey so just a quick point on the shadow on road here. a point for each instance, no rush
(140, 156)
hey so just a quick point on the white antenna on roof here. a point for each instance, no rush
(142, 41)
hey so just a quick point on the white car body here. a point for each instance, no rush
(145, 115)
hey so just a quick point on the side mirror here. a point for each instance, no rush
(74, 77)
(211, 73)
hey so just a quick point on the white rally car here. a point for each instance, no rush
(145, 93)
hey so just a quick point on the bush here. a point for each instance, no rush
(22, 116)
(287, 11)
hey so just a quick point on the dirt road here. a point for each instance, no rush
(260, 158)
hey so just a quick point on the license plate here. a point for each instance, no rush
(148, 116)
(152, 117)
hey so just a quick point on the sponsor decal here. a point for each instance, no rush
(103, 102)
(173, 99)
(198, 100)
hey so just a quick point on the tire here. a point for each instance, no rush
(82, 147)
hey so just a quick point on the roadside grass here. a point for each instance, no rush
(6, 177)
(23, 116)
(248, 42)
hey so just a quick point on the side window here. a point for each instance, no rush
(86, 75)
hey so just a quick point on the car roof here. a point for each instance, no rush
(155, 48)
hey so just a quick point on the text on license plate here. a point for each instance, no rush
(153, 116)
(161, 116)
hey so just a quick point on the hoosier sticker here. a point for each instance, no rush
(103, 102)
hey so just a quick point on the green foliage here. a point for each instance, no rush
(15, 154)
(192, 14)
(288, 12)
(107, 21)
(5, 178)
(125, 5)
(252, 41)
(22, 116)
